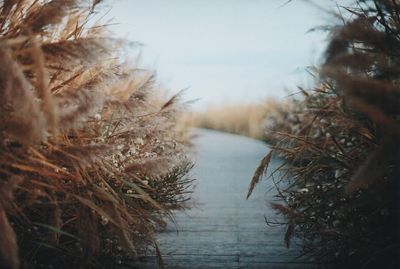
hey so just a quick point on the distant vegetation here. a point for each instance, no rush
(340, 142)
(242, 119)
(91, 161)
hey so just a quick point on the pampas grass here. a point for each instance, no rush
(340, 142)
(91, 160)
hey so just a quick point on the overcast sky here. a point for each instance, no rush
(224, 50)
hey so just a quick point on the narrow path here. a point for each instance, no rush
(224, 230)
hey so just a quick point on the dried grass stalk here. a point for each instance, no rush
(341, 146)
(82, 135)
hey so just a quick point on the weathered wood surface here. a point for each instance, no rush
(224, 230)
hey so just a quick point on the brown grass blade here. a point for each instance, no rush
(8, 242)
(143, 195)
(42, 85)
(91, 205)
(261, 169)
(160, 261)
(289, 234)
(173, 100)
(284, 210)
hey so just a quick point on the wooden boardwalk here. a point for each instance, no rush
(224, 230)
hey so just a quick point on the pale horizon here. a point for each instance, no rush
(225, 51)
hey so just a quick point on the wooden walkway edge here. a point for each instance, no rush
(224, 230)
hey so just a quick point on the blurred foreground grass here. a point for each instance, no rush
(92, 161)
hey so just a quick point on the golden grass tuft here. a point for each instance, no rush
(340, 142)
(91, 162)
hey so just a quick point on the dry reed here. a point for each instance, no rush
(90, 162)
(340, 143)
(242, 119)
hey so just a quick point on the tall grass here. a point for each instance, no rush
(242, 119)
(91, 162)
(341, 142)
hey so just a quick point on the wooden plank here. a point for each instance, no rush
(225, 230)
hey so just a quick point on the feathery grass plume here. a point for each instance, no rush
(260, 171)
(340, 143)
(91, 161)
